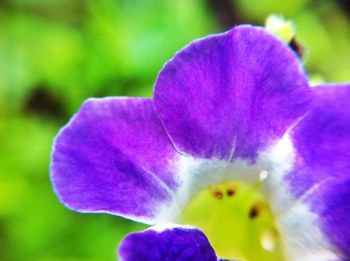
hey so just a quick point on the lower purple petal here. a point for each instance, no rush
(171, 244)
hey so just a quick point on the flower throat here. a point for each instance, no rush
(237, 221)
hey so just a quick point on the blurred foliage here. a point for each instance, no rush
(56, 53)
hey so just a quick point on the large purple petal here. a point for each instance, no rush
(114, 156)
(173, 244)
(238, 90)
(322, 139)
(321, 172)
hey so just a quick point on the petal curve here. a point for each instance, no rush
(234, 91)
(331, 202)
(114, 156)
(320, 177)
(169, 244)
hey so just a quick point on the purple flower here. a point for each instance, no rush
(234, 146)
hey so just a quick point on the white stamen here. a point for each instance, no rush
(268, 240)
(263, 175)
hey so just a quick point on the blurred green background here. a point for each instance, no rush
(56, 53)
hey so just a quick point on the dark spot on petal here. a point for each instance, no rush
(230, 192)
(254, 212)
(297, 47)
(218, 194)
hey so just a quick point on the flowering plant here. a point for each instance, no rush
(235, 156)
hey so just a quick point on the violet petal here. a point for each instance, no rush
(171, 244)
(239, 91)
(114, 156)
